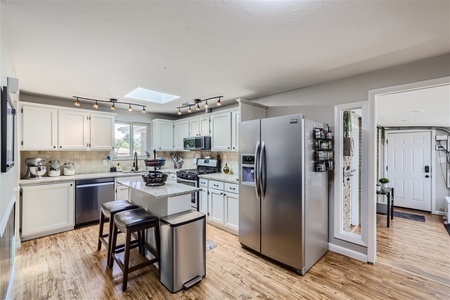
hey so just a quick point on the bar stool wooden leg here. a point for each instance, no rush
(112, 245)
(126, 261)
(100, 233)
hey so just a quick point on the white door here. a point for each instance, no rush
(409, 169)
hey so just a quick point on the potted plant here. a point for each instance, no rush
(384, 181)
(347, 130)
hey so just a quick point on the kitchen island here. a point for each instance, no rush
(161, 201)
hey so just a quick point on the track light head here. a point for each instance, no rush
(129, 107)
(218, 103)
(179, 112)
(95, 105)
(143, 110)
(189, 110)
(77, 103)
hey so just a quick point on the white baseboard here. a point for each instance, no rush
(347, 252)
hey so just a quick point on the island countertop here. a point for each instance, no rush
(169, 189)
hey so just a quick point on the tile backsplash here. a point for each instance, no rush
(92, 161)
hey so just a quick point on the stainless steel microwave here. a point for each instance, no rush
(197, 143)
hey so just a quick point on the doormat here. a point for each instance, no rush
(413, 217)
(210, 245)
(447, 226)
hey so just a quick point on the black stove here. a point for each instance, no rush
(193, 173)
(204, 166)
(190, 176)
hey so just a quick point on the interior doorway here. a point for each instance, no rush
(409, 168)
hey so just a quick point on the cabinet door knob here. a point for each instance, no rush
(54, 146)
(60, 146)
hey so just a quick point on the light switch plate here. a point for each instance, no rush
(105, 162)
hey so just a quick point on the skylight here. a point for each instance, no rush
(150, 96)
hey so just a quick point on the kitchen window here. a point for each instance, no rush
(131, 137)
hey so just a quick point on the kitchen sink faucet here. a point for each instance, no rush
(135, 162)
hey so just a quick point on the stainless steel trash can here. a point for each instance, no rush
(183, 250)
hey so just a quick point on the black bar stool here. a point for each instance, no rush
(107, 212)
(130, 221)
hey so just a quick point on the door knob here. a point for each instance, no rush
(427, 176)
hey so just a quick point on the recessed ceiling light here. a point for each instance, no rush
(416, 111)
(150, 96)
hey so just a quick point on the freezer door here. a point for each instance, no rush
(282, 201)
(249, 204)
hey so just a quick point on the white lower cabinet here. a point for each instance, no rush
(223, 208)
(47, 209)
(121, 192)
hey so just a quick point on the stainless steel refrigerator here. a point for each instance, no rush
(283, 203)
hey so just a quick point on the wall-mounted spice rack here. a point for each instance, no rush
(324, 150)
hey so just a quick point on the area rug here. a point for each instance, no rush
(447, 226)
(413, 217)
(210, 245)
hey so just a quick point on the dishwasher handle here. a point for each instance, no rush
(94, 184)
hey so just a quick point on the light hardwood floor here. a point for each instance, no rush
(414, 263)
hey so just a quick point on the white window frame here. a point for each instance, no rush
(131, 124)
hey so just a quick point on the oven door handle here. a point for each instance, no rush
(187, 180)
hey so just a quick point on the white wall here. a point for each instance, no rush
(317, 102)
(7, 180)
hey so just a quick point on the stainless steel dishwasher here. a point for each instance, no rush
(90, 194)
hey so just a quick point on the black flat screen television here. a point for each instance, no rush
(7, 115)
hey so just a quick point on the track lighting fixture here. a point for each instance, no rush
(196, 103)
(113, 102)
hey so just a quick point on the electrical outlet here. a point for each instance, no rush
(105, 162)
(441, 159)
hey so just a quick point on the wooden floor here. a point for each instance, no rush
(413, 263)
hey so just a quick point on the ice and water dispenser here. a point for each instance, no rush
(248, 168)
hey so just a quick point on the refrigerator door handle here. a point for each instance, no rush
(257, 177)
(262, 171)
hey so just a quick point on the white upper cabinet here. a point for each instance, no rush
(235, 120)
(199, 126)
(102, 131)
(180, 131)
(39, 128)
(73, 130)
(203, 123)
(47, 127)
(221, 131)
(162, 134)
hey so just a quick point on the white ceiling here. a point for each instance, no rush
(419, 107)
(199, 49)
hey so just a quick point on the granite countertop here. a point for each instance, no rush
(229, 178)
(169, 189)
(62, 178)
